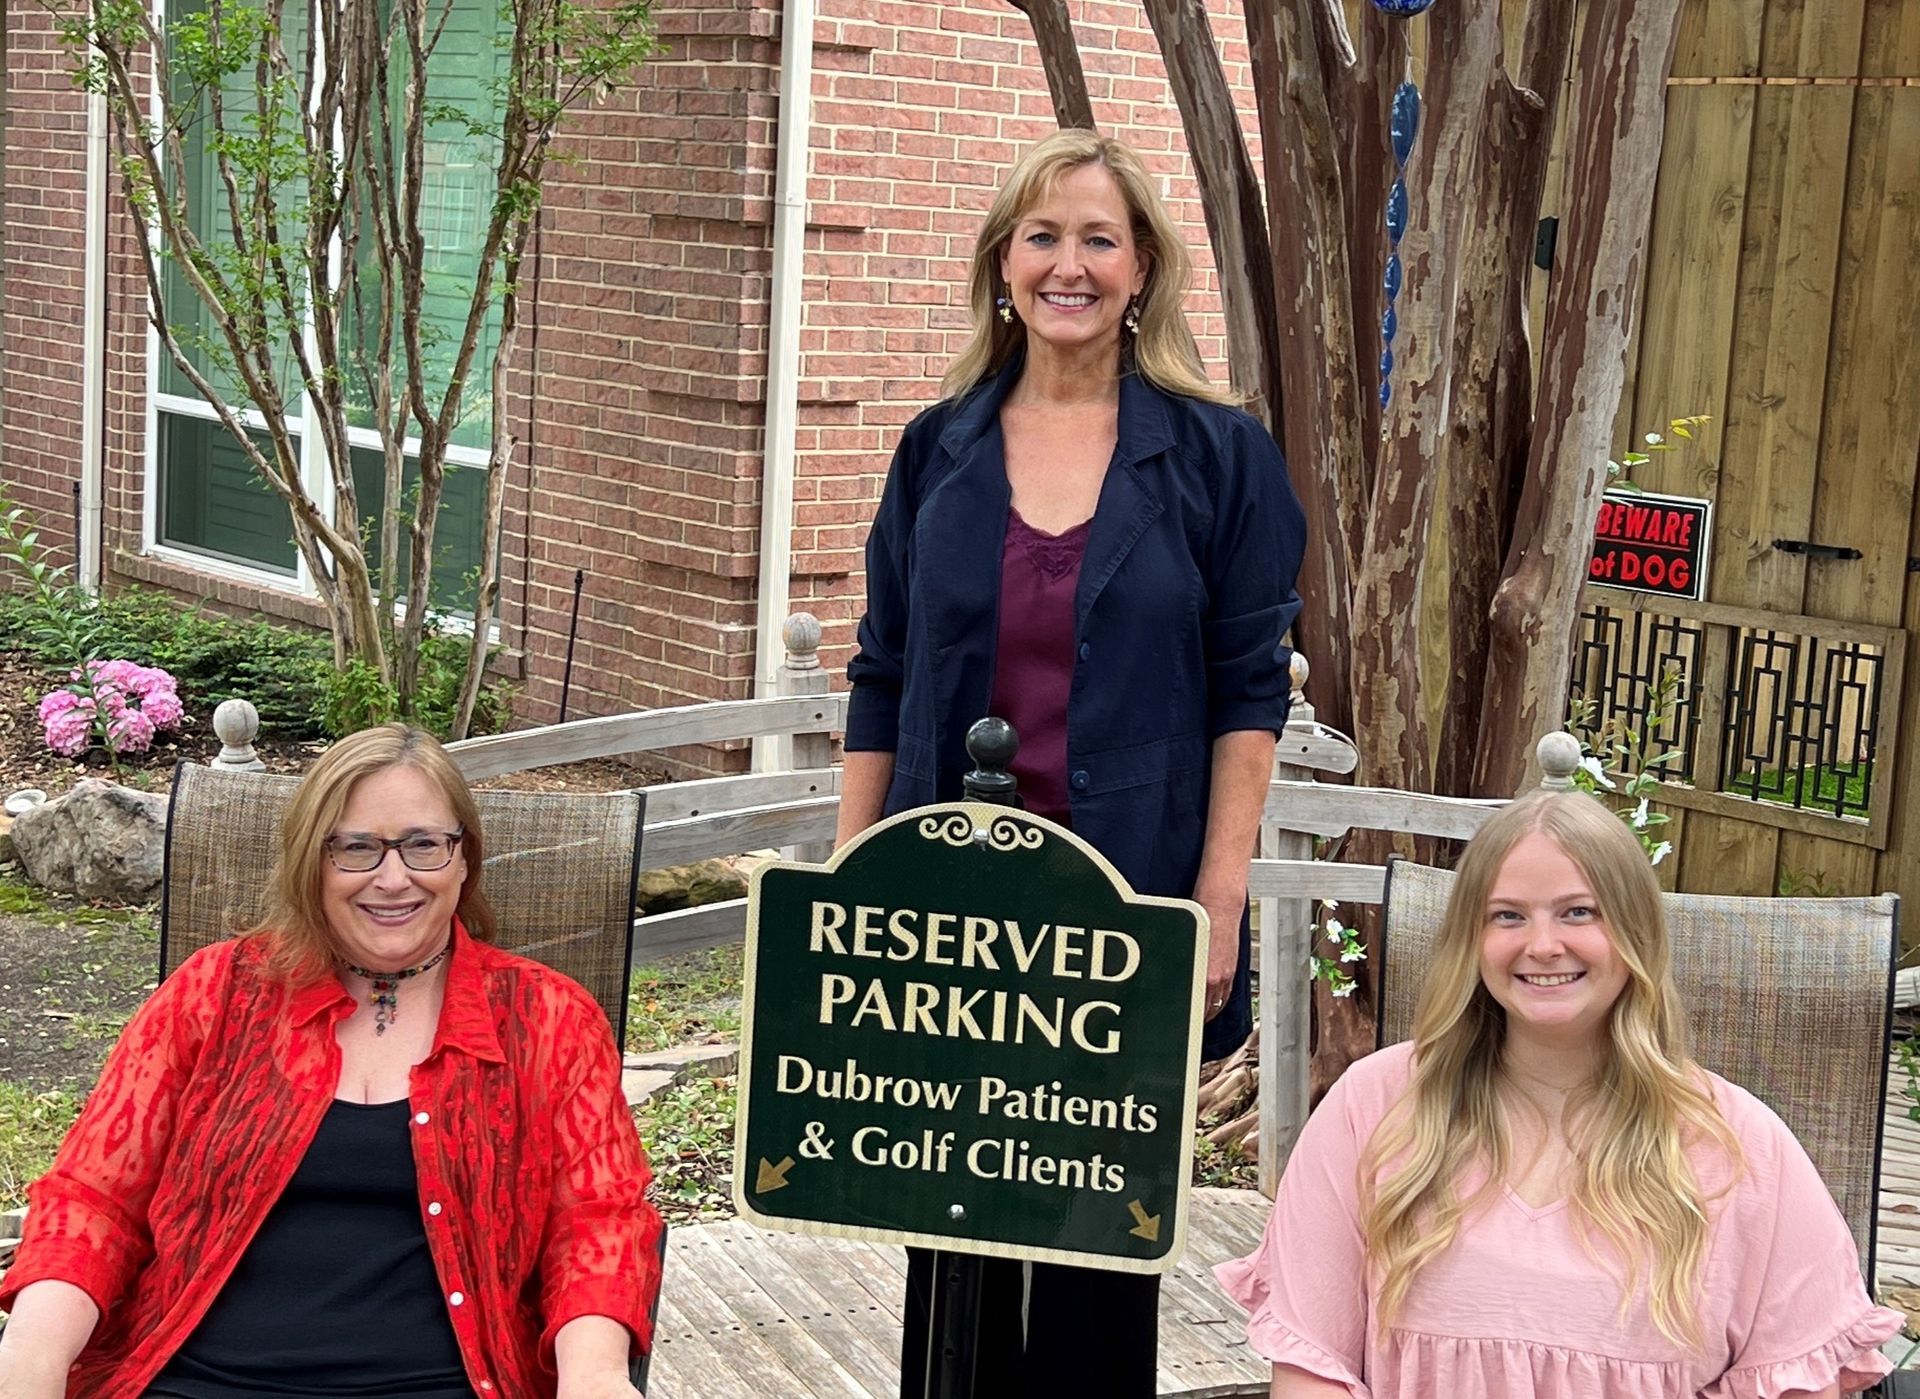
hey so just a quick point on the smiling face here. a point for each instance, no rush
(1546, 954)
(392, 917)
(1072, 265)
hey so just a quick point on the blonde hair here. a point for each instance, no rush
(1629, 1128)
(1163, 351)
(301, 946)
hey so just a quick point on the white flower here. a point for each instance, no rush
(1354, 954)
(1654, 439)
(1596, 771)
(1662, 850)
(1334, 930)
(1639, 818)
(1329, 905)
(1342, 992)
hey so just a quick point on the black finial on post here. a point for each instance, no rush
(992, 744)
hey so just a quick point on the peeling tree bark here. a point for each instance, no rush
(1312, 280)
(1492, 406)
(1060, 57)
(1626, 47)
(1230, 197)
(1390, 728)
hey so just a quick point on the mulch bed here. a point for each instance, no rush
(26, 761)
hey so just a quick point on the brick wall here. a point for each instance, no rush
(41, 292)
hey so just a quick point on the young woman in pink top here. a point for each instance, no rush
(1541, 1196)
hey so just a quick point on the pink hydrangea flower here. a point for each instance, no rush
(137, 701)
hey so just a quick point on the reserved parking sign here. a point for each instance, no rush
(967, 1033)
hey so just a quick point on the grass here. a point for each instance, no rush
(31, 1128)
(688, 1131)
(1822, 787)
(695, 997)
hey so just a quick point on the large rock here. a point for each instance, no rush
(688, 886)
(99, 841)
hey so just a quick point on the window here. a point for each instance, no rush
(207, 501)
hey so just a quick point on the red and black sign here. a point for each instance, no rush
(1652, 544)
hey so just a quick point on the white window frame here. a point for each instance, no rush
(314, 473)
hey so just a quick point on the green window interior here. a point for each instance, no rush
(210, 501)
(456, 538)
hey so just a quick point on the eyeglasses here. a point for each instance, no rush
(422, 850)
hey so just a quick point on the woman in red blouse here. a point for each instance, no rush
(357, 1151)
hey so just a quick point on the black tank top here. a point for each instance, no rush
(336, 1295)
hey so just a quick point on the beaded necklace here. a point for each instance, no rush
(384, 992)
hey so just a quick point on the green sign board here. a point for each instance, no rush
(966, 1032)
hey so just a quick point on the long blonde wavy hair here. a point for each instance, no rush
(1629, 1128)
(1163, 351)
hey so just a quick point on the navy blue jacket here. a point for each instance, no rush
(1185, 594)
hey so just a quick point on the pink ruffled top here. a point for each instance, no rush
(1516, 1308)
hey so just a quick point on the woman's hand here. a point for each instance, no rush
(600, 1384)
(590, 1353)
(50, 1325)
(1224, 907)
(25, 1375)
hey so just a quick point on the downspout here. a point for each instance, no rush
(93, 379)
(783, 358)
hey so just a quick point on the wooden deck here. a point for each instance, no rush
(1897, 1251)
(747, 1312)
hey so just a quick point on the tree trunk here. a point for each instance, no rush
(1492, 407)
(1230, 197)
(1625, 49)
(1060, 57)
(1320, 430)
(1390, 727)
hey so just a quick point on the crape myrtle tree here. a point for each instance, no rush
(280, 160)
(1300, 244)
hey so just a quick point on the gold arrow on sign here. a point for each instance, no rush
(772, 1177)
(1145, 1226)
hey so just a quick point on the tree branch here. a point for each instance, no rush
(1060, 57)
(1230, 198)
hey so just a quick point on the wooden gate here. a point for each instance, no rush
(1782, 297)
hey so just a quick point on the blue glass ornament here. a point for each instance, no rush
(1391, 282)
(1397, 212)
(1389, 325)
(1386, 365)
(1403, 9)
(1386, 393)
(1404, 125)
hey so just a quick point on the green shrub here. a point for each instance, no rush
(355, 697)
(287, 672)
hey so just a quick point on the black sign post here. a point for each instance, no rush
(967, 1033)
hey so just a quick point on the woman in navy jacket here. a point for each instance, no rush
(1085, 538)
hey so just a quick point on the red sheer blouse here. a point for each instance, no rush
(532, 1179)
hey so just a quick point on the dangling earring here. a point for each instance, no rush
(1132, 318)
(1006, 309)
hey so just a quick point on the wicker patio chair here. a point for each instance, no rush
(560, 870)
(1791, 999)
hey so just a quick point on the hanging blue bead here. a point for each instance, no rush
(1386, 365)
(1404, 124)
(1397, 212)
(1386, 393)
(1389, 325)
(1391, 283)
(1403, 9)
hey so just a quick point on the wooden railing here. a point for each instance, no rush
(796, 809)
